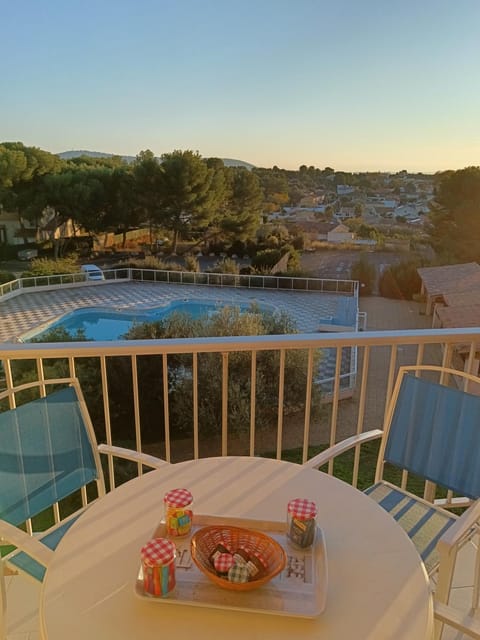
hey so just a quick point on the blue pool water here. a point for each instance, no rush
(104, 324)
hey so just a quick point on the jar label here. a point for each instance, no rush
(302, 532)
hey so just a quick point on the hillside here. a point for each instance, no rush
(67, 155)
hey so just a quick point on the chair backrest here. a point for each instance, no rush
(434, 431)
(47, 451)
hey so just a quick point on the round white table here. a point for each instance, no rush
(377, 586)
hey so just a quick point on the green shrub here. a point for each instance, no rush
(365, 272)
(400, 281)
(238, 248)
(267, 258)
(191, 264)
(228, 321)
(227, 265)
(294, 264)
(150, 262)
(49, 267)
(7, 276)
(298, 242)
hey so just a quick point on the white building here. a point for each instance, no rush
(340, 234)
(345, 189)
(345, 213)
(411, 211)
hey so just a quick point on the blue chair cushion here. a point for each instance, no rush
(423, 523)
(45, 455)
(434, 434)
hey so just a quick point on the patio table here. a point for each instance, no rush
(377, 586)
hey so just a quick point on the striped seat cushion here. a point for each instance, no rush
(423, 523)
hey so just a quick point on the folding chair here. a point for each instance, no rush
(48, 452)
(432, 431)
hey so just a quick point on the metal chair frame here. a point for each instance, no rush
(26, 542)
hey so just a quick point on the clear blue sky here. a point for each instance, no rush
(351, 84)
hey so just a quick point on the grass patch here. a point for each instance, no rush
(343, 464)
(6, 549)
(343, 468)
(45, 519)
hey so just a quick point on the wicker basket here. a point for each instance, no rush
(205, 541)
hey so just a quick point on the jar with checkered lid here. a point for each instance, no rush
(301, 522)
(178, 512)
(158, 567)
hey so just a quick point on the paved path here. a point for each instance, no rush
(384, 314)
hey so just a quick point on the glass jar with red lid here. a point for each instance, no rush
(158, 567)
(178, 512)
(301, 522)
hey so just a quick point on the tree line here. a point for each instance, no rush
(181, 193)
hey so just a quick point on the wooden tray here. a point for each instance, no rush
(299, 590)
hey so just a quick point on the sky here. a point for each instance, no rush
(357, 85)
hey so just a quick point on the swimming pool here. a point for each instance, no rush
(107, 324)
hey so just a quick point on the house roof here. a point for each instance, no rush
(453, 317)
(462, 298)
(314, 226)
(340, 228)
(450, 278)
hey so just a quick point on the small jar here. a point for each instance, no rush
(178, 512)
(158, 565)
(301, 522)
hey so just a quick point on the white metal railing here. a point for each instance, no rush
(319, 285)
(16, 287)
(122, 386)
(362, 321)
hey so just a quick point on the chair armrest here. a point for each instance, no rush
(460, 620)
(31, 545)
(448, 546)
(332, 452)
(134, 456)
(454, 534)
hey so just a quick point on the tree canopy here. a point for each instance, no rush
(186, 195)
(180, 193)
(455, 216)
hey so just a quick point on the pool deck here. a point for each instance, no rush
(27, 311)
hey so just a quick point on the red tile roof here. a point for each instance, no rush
(456, 317)
(451, 278)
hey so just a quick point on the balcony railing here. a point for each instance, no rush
(130, 387)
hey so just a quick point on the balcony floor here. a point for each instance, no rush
(23, 595)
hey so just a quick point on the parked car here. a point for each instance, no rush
(27, 254)
(92, 272)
